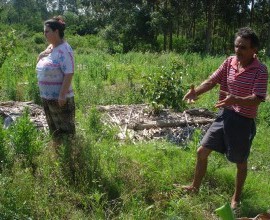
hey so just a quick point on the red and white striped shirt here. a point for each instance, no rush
(252, 80)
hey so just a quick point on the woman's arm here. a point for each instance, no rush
(64, 89)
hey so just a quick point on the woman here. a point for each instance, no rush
(55, 69)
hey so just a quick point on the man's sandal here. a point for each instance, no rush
(237, 210)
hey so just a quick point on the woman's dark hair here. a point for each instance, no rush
(56, 23)
(248, 33)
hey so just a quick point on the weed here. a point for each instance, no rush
(25, 140)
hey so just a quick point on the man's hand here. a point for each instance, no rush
(191, 95)
(251, 100)
(229, 100)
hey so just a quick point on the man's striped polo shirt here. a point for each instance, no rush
(250, 80)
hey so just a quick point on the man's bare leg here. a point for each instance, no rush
(239, 183)
(200, 169)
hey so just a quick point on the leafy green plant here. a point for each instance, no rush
(39, 38)
(262, 55)
(8, 41)
(165, 88)
(25, 139)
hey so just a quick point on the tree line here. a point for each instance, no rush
(206, 26)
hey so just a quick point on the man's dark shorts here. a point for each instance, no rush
(231, 134)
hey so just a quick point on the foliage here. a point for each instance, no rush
(264, 113)
(16, 195)
(32, 92)
(18, 77)
(94, 123)
(165, 87)
(8, 42)
(85, 44)
(96, 176)
(25, 140)
(38, 38)
(111, 36)
(136, 25)
(4, 152)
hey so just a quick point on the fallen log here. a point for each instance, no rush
(169, 123)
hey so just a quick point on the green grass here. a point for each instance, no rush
(98, 177)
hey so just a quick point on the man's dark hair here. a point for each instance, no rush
(248, 33)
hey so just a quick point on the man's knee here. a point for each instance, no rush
(203, 153)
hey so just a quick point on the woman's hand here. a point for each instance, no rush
(45, 53)
(62, 101)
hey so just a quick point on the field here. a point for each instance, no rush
(98, 177)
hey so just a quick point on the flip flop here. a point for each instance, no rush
(237, 210)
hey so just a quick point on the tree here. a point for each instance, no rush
(262, 20)
(202, 25)
(128, 22)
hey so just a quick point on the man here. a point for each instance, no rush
(243, 85)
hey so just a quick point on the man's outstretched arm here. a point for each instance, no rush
(193, 93)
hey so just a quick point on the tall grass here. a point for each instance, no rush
(96, 176)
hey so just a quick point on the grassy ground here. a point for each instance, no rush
(96, 176)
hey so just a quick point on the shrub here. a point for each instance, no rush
(181, 44)
(164, 88)
(38, 38)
